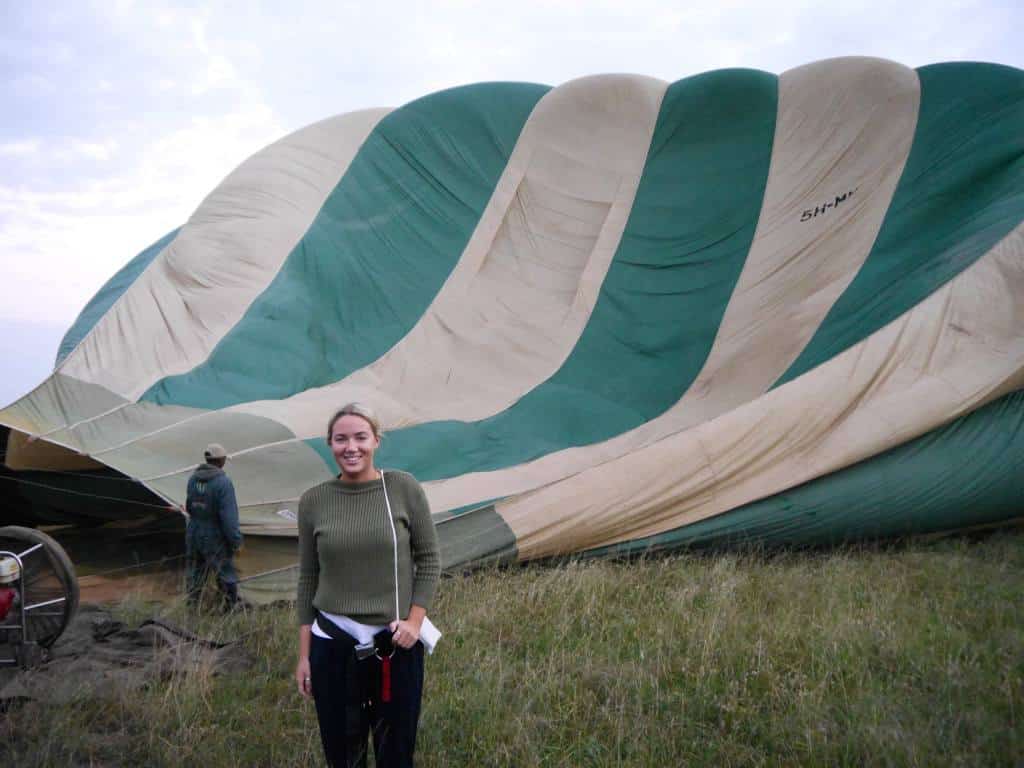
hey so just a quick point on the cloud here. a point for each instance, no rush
(59, 149)
(64, 244)
(219, 72)
(77, 207)
(95, 150)
(20, 148)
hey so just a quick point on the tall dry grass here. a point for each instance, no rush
(881, 655)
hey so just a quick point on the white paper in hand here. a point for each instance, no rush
(429, 634)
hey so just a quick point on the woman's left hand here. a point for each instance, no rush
(406, 633)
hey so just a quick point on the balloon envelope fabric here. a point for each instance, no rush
(612, 315)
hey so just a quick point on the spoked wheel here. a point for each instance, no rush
(49, 587)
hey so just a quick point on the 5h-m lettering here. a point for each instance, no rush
(810, 213)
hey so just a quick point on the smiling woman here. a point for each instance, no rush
(368, 567)
(615, 314)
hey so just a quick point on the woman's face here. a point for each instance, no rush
(353, 444)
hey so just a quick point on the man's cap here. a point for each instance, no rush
(215, 451)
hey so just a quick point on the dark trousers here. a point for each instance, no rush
(205, 554)
(348, 705)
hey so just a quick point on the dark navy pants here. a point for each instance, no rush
(348, 706)
(206, 552)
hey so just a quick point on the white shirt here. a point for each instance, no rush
(363, 633)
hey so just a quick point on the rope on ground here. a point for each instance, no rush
(167, 559)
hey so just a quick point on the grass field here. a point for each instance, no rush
(909, 654)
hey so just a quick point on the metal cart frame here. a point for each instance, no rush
(25, 652)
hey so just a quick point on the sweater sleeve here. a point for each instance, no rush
(309, 564)
(423, 541)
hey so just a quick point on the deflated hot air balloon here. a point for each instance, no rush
(615, 314)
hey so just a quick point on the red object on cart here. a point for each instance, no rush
(7, 597)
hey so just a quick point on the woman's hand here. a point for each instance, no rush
(302, 677)
(406, 633)
(302, 673)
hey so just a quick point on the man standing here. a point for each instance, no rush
(212, 536)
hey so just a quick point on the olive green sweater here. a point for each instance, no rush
(346, 556)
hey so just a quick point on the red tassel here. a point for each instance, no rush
(385, 679)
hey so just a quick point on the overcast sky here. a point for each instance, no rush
(120, 116)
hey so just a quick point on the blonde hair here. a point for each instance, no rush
(356, 409)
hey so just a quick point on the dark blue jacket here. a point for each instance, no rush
(211, 504)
